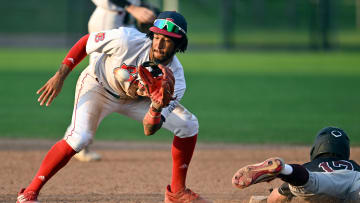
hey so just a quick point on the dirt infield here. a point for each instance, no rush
(138, 172)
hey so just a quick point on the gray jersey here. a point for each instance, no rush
(322, 164)
(343, 185)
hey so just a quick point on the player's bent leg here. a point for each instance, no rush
(91, 105)
(256, 173)
(182, 122)
(182, 150)
(89, 109)
(86, 154)
(56, 158)
(185, 127)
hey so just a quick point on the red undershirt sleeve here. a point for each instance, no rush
(77, 53)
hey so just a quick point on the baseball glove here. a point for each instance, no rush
(159, 83)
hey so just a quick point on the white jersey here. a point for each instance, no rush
(128, 48)
(108, 5)
(108, 15)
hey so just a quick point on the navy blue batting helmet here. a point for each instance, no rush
(170, 23)
(333, 141)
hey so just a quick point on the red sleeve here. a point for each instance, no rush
(77, 53)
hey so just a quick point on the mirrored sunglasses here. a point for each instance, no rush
(170, 26)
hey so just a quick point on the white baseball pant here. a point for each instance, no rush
(93, 103)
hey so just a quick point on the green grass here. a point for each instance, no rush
(238, 97)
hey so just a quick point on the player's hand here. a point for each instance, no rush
(141, 14)
(276, 197)
(53, 86)
(50, 90)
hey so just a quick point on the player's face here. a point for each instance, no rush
(163, 48)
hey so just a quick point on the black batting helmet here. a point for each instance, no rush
(333, 141)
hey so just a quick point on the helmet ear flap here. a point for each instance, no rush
(311, 153)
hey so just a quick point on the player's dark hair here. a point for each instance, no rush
(180, 43)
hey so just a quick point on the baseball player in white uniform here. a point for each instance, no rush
(111, 14)
(98, 94)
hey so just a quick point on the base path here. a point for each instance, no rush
(138, 172)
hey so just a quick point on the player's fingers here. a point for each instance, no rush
(46, 96)
(150, 17)
(147, 17)
(43, 99)
(51, 98)
(41, 89)
(42, 96)
(45, 89)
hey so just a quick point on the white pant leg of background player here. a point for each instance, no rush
(103, 19)
(106, 16)
(339, 184)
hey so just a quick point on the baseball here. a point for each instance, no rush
(121, 75)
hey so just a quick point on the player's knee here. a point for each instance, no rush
(78, 140)
(188, 128)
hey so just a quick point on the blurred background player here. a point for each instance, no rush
(329, 176)
(111, 14)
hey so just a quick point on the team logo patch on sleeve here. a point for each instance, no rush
(100, 37)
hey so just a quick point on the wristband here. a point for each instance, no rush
(155, 109)
(152, 117)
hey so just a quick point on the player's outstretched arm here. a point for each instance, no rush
(160, 89)
(53, 86)
(141, 14)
